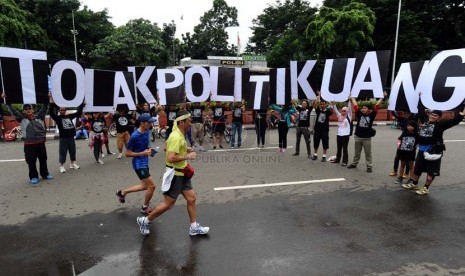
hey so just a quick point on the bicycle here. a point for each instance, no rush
(208, 129)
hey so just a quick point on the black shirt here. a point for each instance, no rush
(218, 115)
(65, 124)
(364, 123)
(304, 116)
(322, 119)
(122, 122)
(96, 125)
(197, 116)
(237, 115)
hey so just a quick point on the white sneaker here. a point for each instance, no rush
(120, 156)
(143, 226)
(74, 166)
(102, 155)
(100, 162)
(199, 230)
(201, 148)
(62, 169)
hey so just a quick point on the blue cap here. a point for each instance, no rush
(146, 118)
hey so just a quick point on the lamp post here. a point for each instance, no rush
(395, 44)
(74, 32)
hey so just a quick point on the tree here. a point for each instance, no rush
(18, 29)
(279, 32)
(210, 36)
(138, 43)
(55, 17)
(341, 32)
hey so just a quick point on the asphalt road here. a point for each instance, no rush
(362, 225)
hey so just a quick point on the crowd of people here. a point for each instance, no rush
(419, 149)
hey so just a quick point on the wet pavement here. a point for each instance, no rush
(365, 225)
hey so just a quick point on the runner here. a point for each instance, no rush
(138, 148)
(177, 154)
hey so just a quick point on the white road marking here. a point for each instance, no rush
(242, 149)
(12, 160)
(279, 184)
(452, 141)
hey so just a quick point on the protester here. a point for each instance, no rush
(67, 132)
(97, 122)
(198, 131)
(344, 131)
(260, 126)
(402, 118)
(321, 128)
(83, 129)
(139, 149)
(407, 147)
(364, 132)
(34, 135)
(123, 123)
(302, 127)
(177, 154)
(237, 121)
(284, 123)
(430, 150)
(106, 141)
(218, 124)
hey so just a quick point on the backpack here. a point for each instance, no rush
(351, 126)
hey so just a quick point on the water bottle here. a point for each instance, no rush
(154, 151)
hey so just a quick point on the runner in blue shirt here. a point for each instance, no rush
(139, 149)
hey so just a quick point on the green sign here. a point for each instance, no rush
(253, 58)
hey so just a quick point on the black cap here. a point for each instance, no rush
(437, 112)
(26, 106)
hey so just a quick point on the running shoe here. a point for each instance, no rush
(422, 191)
(315, 157)
(398, 180)
(74, 166)
(62, 169)
(323, 159)
(146, 210)
(199, 230)
(121, 197)
(393, 173)
(34, 180)
(120, 156)
(100, 162)
(143, 225)
(410, 186)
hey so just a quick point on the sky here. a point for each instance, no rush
(190, 10)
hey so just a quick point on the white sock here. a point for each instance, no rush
(194, 225)
(324, 155)
(315, 154)
(146, 220)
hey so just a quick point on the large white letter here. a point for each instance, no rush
(369, 65)
(429, 74)
(203, 72)
(141, 83)
(121, 84)
(259, 89)
(56, 79)
(302, 80)
(163, 84)
(329, 76)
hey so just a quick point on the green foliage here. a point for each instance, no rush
(18, 29)
(210, 36)
(138, 43)
(55, 17)
(279, 33)
(341, 32)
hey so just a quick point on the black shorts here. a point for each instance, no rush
(430, 167)
(143, 173)
(218, 128)
(178, 185)
(323, 136)
(406, 155)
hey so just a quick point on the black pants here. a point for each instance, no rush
(282, 134)
(342, 144)
(260, 130)
(31, 154)
(306, 133)
(97, 148)
(67, 144)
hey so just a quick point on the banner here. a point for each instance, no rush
(145, 79)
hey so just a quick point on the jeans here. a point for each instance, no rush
(236, 127)
(83, 132)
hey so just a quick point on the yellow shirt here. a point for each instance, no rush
(176, 143)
